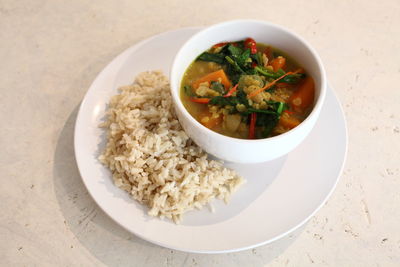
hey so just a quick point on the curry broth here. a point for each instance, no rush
(198, 69)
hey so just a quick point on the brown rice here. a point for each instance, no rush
(152, 158)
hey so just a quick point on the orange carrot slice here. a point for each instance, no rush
(199, 100)
(278, 63)
(213, 77)
(303, 97)
(289, 122)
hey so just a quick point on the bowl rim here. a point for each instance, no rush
(314, 112)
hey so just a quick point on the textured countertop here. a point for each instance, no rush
(52, 50)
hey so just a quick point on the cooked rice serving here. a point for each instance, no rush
(152, 158)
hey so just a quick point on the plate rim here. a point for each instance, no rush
(132, 49)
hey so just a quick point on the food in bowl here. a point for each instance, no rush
(248, 90)
(237, 149)
(152, 158)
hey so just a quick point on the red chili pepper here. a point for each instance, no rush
(231, 91)
(220, 44)
(254, 64)
(252, 127)
(200, 100)
(250, 43)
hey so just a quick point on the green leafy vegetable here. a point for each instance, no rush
(264, 111)
(269, 126)
(293, 78)
(280, 72)
(235, 65)
(266, 72)
(217, 58)
(235, 51)
(244, 58)
(257, 57)
(217, 86)
(223, 101)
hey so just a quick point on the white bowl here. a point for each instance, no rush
(241, 150)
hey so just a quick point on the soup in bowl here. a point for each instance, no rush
(247, 91)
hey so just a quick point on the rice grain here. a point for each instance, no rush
(152, 158)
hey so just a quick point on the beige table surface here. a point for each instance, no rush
(50, 52)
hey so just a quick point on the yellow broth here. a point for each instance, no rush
(281, 92)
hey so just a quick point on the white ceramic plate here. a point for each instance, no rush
(279, 195)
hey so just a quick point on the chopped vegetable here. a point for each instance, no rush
(222, 101)
(234, 64)
(271, 84)
(257, 59)
(216, 76)
(189, 90)
(268, 53)
(220, 44)
(250, 43)
(231, 91)
(267, 122)
(289, 121)
(247, 110)
(293, 79)
(303, 97)
(218, 87)
(200, 100)
(252, 126)
(217, 58)
(265, 72)
(278, 63)
(210, 120)
(232, 122)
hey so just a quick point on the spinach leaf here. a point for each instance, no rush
(266, 72)
(280, 72)
(235, 51)
(240, 56)
(268, 119)
(268, 122)
(264, 111)
(266, 132)
(264, 119)
(240, 98)
(235, 65)
(279, 107)
(217, 58)
(244, 58)
(257, 57)
(217, 86)
(223, 101)
(232, 74)
(292, 78)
